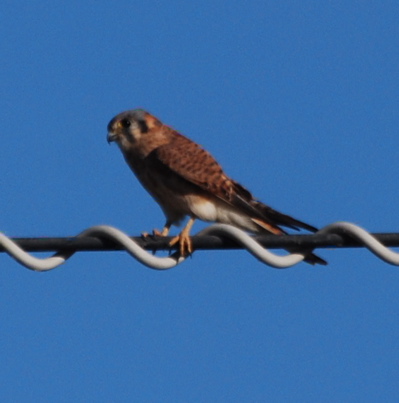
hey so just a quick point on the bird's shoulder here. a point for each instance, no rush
(188, 159)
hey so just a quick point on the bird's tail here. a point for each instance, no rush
(279, 218)
(269, 220)
(310, 257)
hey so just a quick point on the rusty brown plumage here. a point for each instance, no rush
(186, 180)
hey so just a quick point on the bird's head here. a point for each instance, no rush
(128, 128)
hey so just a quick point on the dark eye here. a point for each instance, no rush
(125, 123)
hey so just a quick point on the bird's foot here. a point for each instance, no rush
(155, 233)
(185, 244)
(162, 233)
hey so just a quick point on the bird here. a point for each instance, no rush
(187, 181)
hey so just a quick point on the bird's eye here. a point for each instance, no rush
(125, 123)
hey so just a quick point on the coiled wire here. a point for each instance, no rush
(222, 230)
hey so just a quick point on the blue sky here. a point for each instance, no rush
(298, 101)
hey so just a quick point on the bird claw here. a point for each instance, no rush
(145, 235)
(155, 233)
(185, 244)
(183, 239)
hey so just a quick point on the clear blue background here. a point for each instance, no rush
(298, 101)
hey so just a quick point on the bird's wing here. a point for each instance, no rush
(191, 162)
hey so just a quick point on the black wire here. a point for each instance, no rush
(208, 242)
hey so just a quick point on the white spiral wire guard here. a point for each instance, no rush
(162, 263)
(253, 247)
(58, 259)
(360, 234)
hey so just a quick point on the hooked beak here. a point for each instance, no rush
(111, 137)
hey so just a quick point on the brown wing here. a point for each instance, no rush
(188, 160)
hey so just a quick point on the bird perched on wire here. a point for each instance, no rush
(185, 180)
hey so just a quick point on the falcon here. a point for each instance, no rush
(186, 181)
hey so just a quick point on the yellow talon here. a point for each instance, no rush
(156, 232)
(184, 240)
(185, 244)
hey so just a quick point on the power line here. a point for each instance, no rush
(218, 236)
(200, 242)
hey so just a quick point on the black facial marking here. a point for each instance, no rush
(143, 126)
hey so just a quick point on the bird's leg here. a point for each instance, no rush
(155, 232)
(165, 230)
(184, 240)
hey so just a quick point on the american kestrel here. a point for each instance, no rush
(185, 180)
